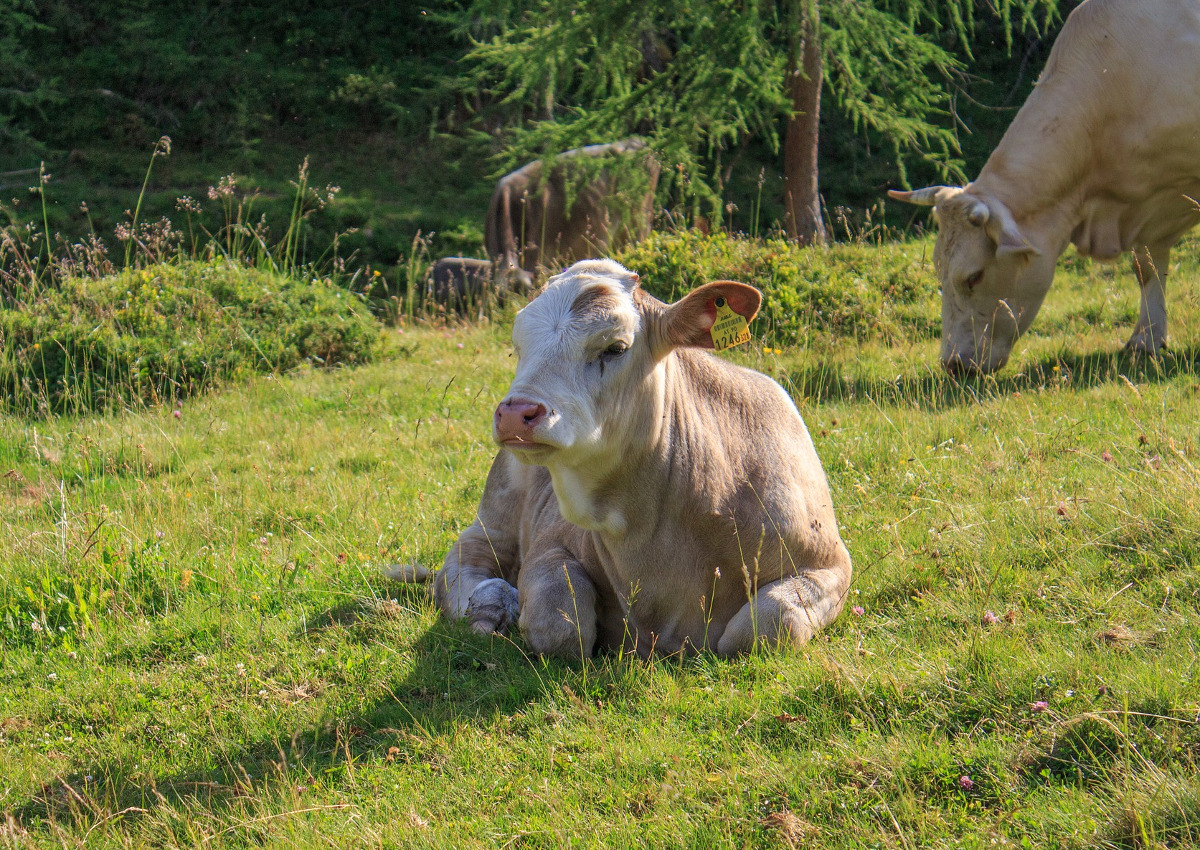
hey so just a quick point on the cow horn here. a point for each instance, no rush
(921, 197)
(979, 214)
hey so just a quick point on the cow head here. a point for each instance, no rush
(588, 387)
(993, 280)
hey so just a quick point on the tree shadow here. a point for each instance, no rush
(457, 678)
(935, 389)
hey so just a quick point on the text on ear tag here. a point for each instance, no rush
(730, 328)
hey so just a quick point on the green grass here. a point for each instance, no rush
(196, 648)
(164, 332)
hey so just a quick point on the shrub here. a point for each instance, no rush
(164, 332)
(852, 290)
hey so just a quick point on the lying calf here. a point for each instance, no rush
(646, 493)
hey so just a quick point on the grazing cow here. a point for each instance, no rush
(578, 212)
(1105, 153)
(646, 494)
(460, 283)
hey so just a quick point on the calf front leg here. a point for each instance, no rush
(558, 605)
(787, 612)
(1150, 266)
(472, 582)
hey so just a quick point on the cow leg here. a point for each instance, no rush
(478, 579)
(471, 584)
(1150, 266)
(787, 612)
(558, 604)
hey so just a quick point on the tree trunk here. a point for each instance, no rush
(802, 203)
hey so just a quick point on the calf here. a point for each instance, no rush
(646, 494)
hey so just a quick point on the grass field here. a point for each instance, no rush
(196, 649)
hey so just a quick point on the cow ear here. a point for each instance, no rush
(1003, 229)
(1010, 243)
(689, 321)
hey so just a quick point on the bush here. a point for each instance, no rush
(167, 331)
(847, 290)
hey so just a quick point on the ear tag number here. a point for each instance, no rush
(730, 328)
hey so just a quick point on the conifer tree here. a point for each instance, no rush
(696, 77)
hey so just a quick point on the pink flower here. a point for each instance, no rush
(1106, 457)
(178, 414)
(1039, 706)
(966, 783)
(990, 618)
(857, 610)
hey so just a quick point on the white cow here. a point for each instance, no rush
(1105, 153)
(646, 493)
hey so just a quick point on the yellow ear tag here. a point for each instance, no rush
(730, 328)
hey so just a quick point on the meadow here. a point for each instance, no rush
(197, 648)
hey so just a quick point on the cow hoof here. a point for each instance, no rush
(1145, 344)
(492, 607)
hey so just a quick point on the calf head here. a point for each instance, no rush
(588, 383)
(993, 280)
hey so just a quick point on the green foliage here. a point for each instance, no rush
(696, 77)
(850, 290)
(23, 87)
(223, 75)
(165, 332)
(891, 80)
(692, 77)
(378, 96)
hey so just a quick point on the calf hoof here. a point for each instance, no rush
(492, 607)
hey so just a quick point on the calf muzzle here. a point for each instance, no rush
(516, 419)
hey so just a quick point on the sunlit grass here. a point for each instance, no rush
(196, 648)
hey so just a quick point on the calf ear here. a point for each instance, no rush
(689, 321)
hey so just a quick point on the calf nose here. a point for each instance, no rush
(517, 417)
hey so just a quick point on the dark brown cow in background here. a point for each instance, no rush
(577, 212)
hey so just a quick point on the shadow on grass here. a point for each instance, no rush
(935, 389)
(1128, 759)
(455, 678)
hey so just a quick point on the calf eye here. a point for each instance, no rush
(973, 280)
(611, 353)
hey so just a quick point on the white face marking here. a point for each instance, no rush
(583, 360)
(573, 343)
